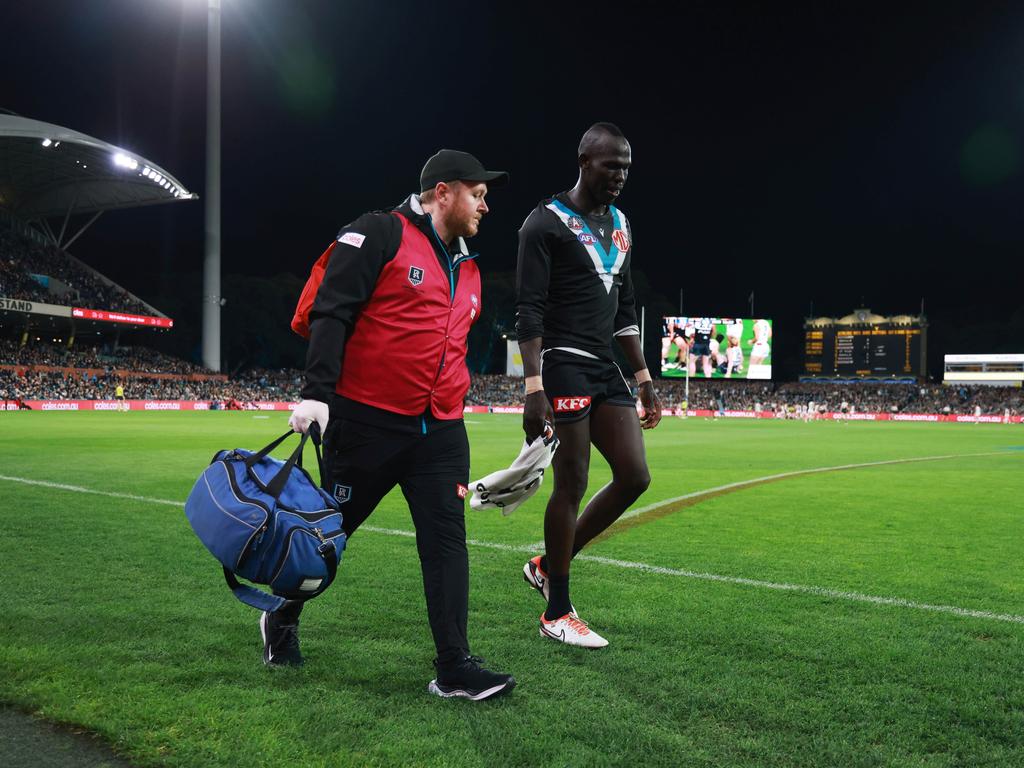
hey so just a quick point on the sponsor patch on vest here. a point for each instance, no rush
(620, 240)
(575, 223)
(461, 490)
(342, 493)
(352, 238)
(586, 238)
(415, 275)
(571, 404)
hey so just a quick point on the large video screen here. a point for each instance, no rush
(862, 351)
(716, 347)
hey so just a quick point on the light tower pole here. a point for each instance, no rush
(211, 261)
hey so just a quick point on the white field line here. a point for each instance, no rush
(835, 594)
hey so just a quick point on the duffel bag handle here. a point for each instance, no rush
(276, 486)
(316, 438)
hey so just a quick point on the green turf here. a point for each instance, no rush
(117, 620)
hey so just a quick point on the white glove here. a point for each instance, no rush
(307, 412)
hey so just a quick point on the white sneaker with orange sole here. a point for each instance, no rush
(571, 630)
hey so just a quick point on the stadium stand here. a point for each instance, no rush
(745, 396)
(35, 272)
(45, 371)
(50, 372)
(71, 384)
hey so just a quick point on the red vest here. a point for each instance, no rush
(408, 346)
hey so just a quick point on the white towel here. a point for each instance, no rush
(508, 488)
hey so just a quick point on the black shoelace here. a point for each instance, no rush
(287, 637)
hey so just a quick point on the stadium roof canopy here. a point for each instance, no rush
(47, 171)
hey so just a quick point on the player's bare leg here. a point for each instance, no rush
(615, 432)
(571, 464)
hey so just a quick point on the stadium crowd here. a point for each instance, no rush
(769, 396)
(54, 385)
(262, 385)
(33, 272)
(80, 380)
(93, 356)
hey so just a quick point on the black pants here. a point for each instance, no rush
(364, 462)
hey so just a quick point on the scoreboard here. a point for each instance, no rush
(873, 351)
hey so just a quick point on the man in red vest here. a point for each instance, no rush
(385, 380)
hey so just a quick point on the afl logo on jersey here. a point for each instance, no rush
(575, 223)
(586, 238)
(620, 240)
(415, 275)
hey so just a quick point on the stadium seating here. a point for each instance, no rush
(744, 396)
(43, 273)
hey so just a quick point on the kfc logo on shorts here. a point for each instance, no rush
(620, 240)
(415, 275)
(461, 490)
(586, 238)
(575, 223)
(571, 404)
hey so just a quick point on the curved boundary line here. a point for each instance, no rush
(660, 509)
(896, 602)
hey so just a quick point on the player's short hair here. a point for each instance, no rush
(595, 133)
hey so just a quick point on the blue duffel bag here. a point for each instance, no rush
(268, 522)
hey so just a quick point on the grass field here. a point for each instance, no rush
(868, 616)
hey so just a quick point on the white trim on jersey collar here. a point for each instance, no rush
(619, 221)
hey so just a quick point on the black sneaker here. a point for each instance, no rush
(280, 641)
(468, 679)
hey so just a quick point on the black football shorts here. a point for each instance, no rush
(575, 384)
(701, 348)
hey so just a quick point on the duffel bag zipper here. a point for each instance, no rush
(315, 533)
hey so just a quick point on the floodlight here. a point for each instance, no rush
(47, 142)
(125, 161)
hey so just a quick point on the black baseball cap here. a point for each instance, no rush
(452, 165)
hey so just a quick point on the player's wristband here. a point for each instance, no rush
(534, 384)
(642, 377)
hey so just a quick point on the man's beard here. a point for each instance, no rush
(463, 226)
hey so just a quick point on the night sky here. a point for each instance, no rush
(810, 155)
